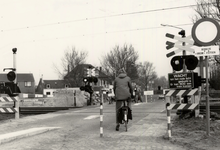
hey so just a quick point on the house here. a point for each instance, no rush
(25, 82)
(47, 87)
(75, 77)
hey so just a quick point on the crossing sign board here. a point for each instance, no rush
(206, 50)
(181, 80)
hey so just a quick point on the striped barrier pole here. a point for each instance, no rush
(168, 120)
(17, 116)
(10, 109)
(101, 115)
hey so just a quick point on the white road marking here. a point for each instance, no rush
(163, 110)
(80, 110)
(138, 104)
(91, 117)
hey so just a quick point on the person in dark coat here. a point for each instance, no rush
(123, 91)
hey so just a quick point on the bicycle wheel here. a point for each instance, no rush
(126, 120)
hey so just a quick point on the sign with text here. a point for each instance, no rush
(180, 80)
(207, 50)
(148, 92)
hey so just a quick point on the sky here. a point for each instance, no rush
(42, 30)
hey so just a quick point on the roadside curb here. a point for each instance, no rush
(4, 138)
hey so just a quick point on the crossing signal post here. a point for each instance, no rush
(184, 80)
(90, 73)
(177, 62)
(205, 49)
(10, 88)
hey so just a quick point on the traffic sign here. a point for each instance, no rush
(207, 50)
(180, 80)
(186, 39)
(180, 46)
(205, 32)
(187, 47)
(148, 92)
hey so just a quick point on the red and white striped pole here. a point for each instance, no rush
(101, 114)
(168, 120)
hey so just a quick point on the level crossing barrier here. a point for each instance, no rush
(170, 105)
(5, 98)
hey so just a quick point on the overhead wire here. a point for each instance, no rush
(98, 17)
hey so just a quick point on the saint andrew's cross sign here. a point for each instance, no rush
(178, 44)
(205, 32)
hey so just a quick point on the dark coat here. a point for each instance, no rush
(122, 87)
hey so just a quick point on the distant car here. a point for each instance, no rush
(161, 97)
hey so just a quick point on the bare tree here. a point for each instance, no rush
(119, 57)
(70, 60)
(146, 72)
(162, 82)
(207, 8)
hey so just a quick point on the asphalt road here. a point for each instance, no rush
(78, 127)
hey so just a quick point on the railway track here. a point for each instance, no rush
(213, 108)
(42, 110)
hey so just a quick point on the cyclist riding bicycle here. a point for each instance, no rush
(123, 91)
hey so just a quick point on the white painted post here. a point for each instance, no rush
(17, 114)
(197, 111)
(167, 99)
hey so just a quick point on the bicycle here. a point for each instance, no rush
(109, 100)
(124, 110)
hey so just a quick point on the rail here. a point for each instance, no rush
(42, 110)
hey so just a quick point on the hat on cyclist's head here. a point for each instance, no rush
(122, 70)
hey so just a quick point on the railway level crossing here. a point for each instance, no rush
(189, 80)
